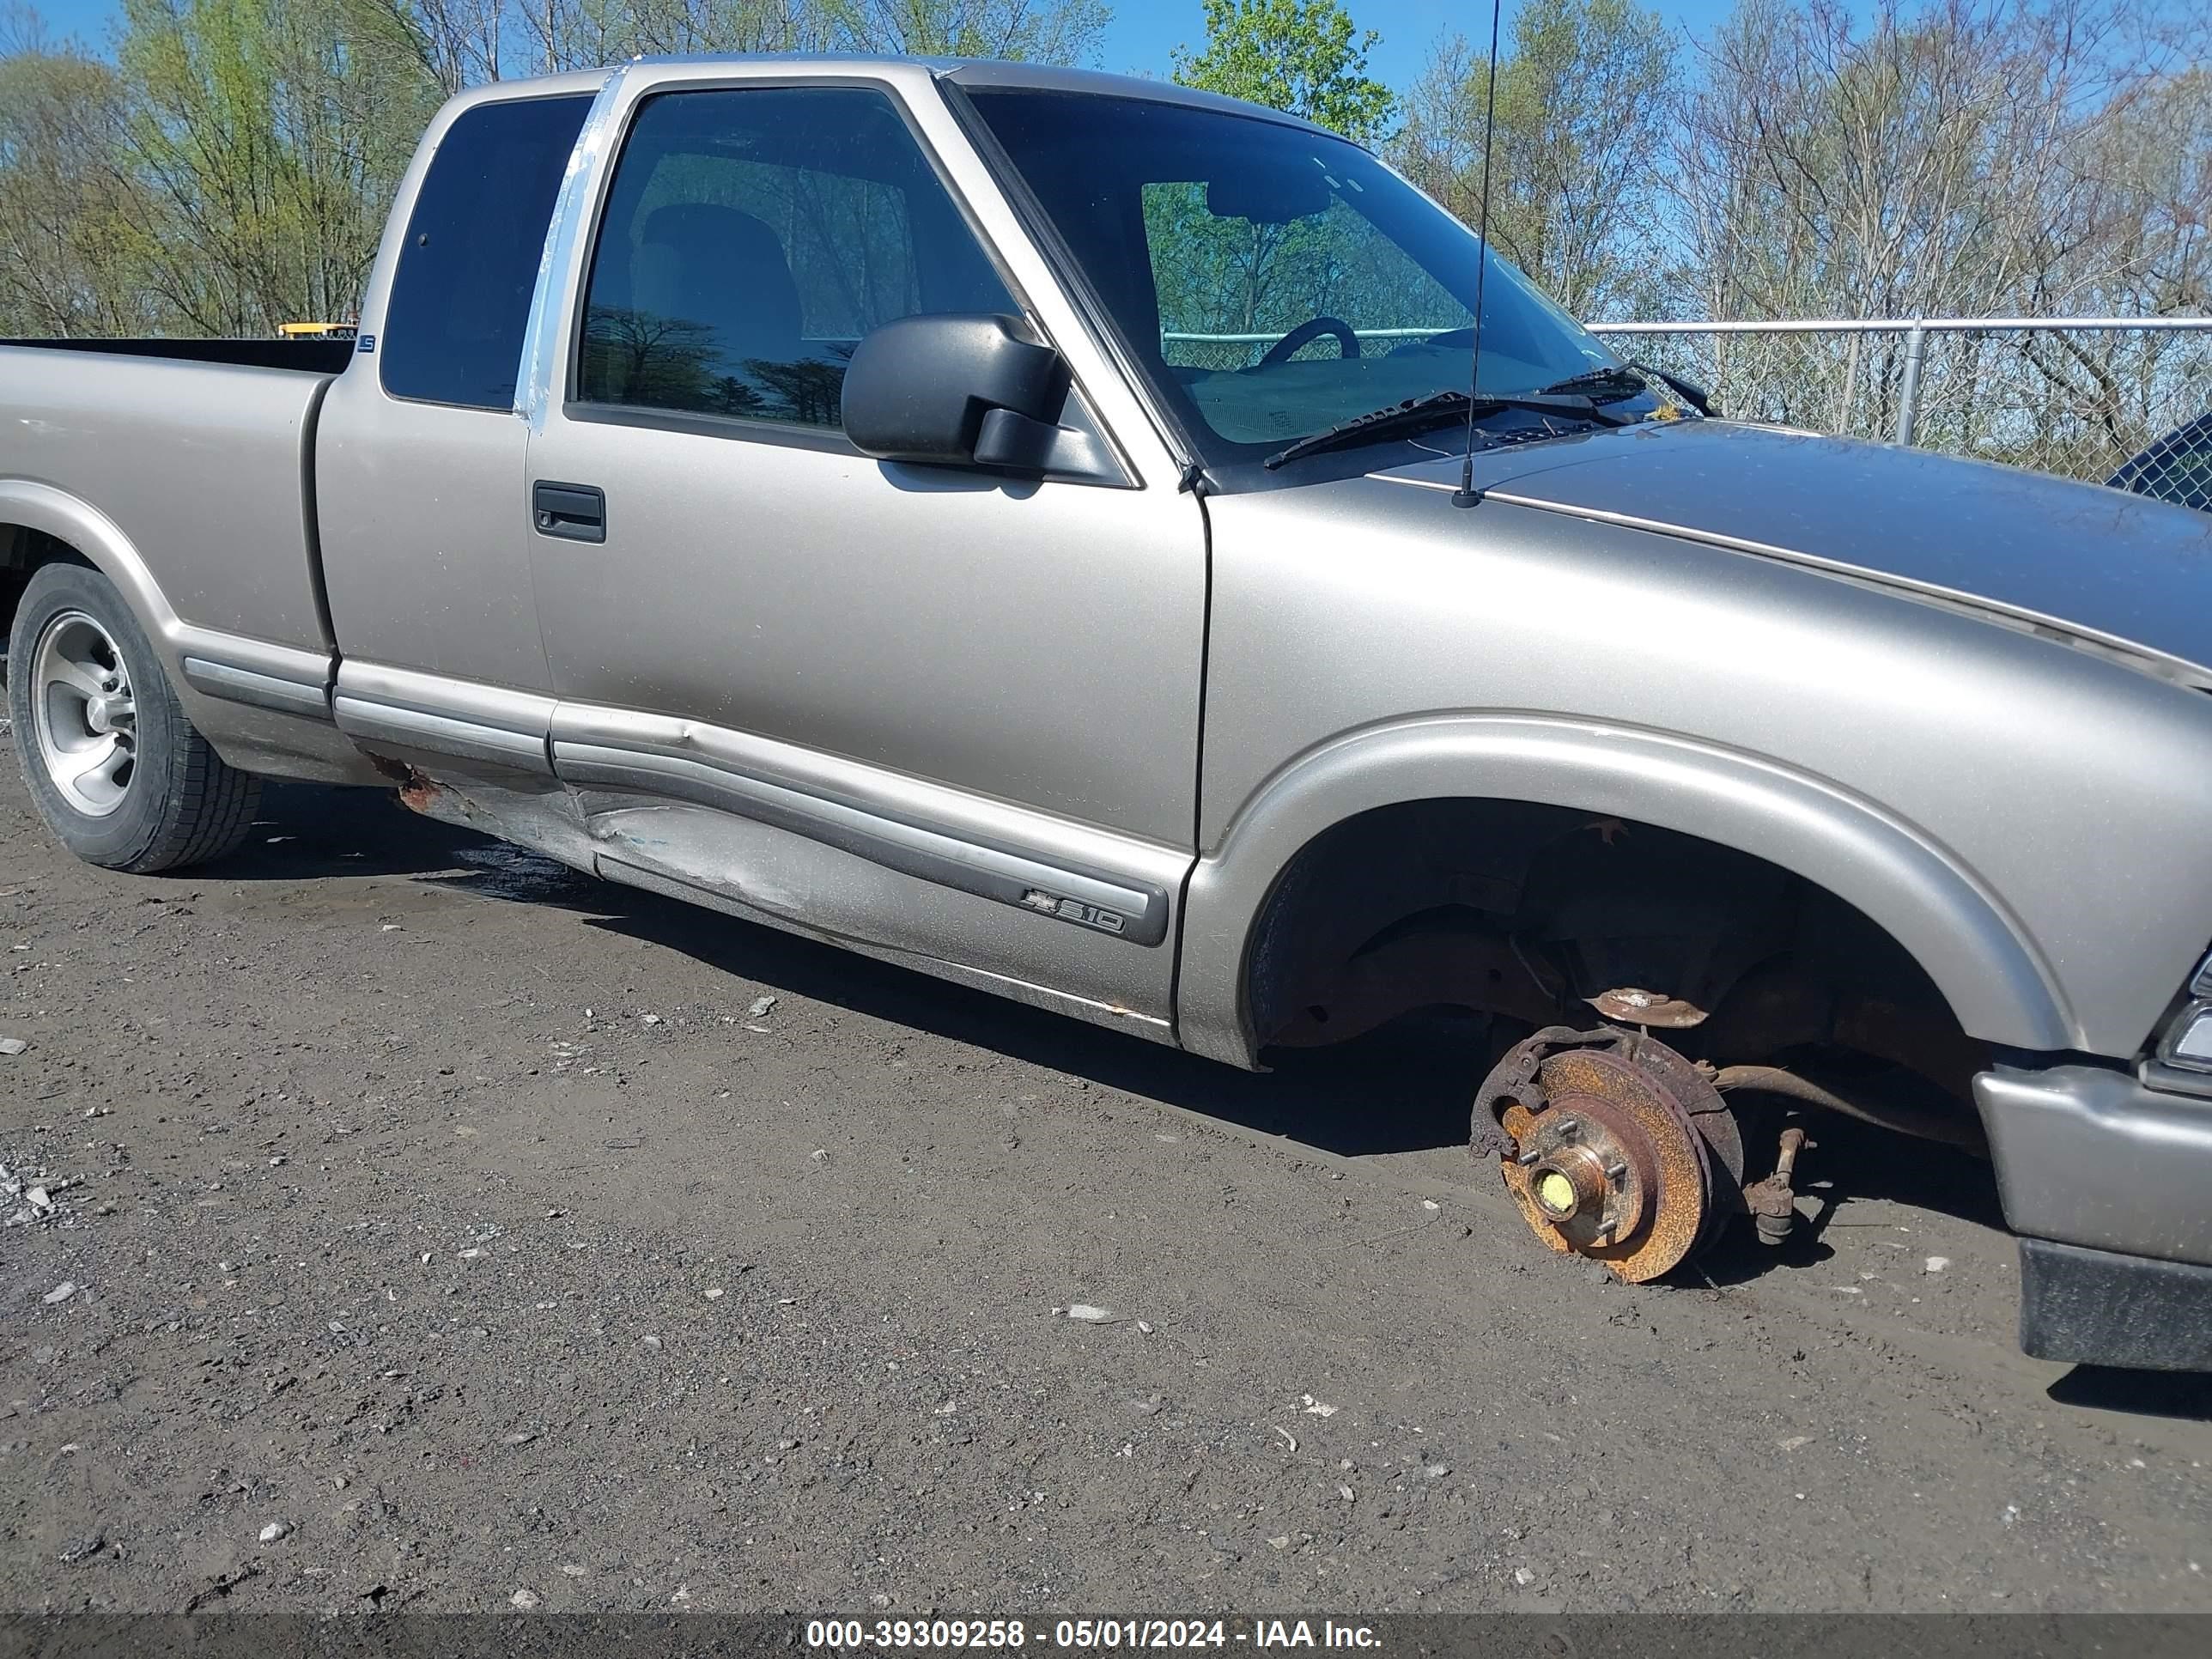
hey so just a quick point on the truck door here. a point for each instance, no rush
(419, 453)
(949, 715)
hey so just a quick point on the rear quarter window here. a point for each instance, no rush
(460, 298)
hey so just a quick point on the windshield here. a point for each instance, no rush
(1273, 281)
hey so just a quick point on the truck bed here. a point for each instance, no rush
(199, 452)
(323, 357)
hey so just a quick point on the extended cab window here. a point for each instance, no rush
(752, 237)
(460, 299)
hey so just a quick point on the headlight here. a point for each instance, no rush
(2201, 986)
(2188, 1042)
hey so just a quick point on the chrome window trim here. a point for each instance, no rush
(369, 342)
(534, 390)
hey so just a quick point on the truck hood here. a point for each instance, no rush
(2103, 568)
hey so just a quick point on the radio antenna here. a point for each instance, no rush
(1465, 495)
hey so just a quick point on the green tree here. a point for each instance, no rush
(66, 207)
(270, 136)
(1304, 56)
(1585, 111)
(1063, 31)
(462, 42)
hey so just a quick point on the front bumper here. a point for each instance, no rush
(2095, 1160)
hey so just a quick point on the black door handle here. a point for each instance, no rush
(576, 513)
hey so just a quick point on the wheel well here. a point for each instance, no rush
(23, 552)
(1524, 911)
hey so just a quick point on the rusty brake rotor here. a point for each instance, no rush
(1618, 1148)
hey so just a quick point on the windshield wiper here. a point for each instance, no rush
(1626, 380)
(1608, 384)
(1438, 409)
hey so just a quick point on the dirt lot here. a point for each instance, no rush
(444, 1226)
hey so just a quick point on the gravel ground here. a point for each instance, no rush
(448, 1232)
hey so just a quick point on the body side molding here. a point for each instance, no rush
(1093, 1012)
(282, 692)
(1102, 881)
(409, 709)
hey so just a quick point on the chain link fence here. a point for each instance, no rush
(2076, 396)
(2177, 468)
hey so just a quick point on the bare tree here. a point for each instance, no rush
(230, 169)
(1974, 156)
(1585, 95)
(68, 263)
(458, 43)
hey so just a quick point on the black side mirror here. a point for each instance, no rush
(956, 390)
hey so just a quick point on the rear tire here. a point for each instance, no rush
(120, 775)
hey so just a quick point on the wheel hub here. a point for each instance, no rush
(1586, 1173)
(85, 722)
(1617, 1148)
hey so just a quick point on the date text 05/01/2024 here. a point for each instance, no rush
(1087, 1634)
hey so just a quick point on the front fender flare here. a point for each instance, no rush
(1977, 953)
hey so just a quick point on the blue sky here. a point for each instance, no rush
(1145, 33)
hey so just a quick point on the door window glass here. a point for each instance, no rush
(752, 238)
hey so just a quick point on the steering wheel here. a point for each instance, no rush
(1305, 334)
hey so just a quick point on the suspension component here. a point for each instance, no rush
(1772, 1202)
(1613, 1146)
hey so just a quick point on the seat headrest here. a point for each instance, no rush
(722, 268)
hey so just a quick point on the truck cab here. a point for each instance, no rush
(1129, 552)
